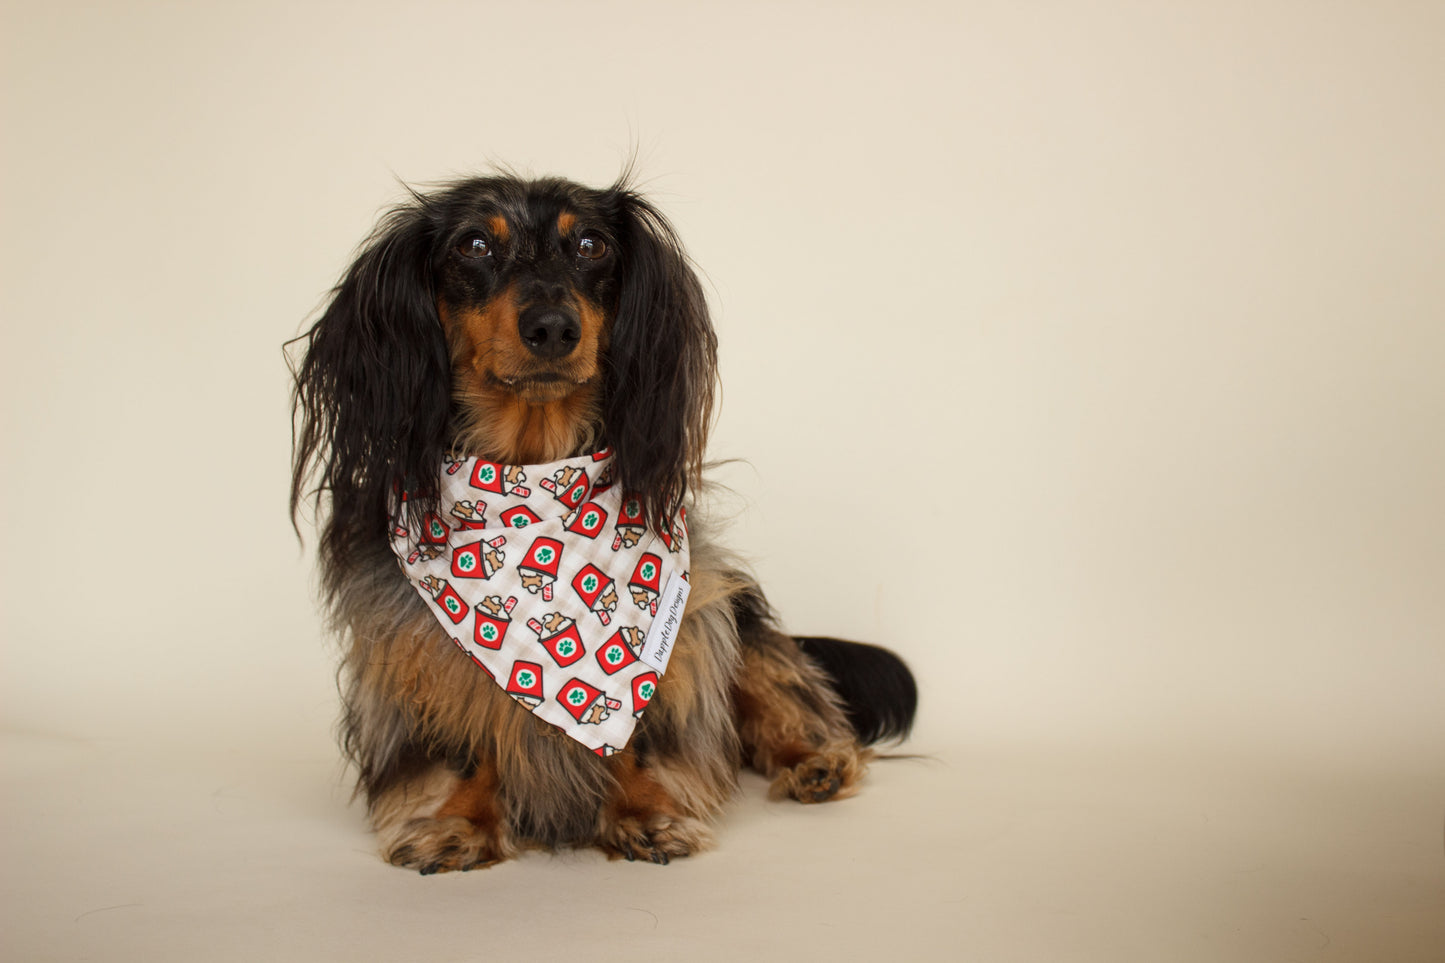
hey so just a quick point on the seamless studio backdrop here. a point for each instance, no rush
(1089, 356)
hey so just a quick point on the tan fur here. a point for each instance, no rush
(524, 422)
(440, 821)
(642, 820)
(792, 728)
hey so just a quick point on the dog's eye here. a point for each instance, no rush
(473, 245)
(591, 247)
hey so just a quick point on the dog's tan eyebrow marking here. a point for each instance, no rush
(498, 224)
(565, 222)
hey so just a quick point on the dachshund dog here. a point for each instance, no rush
(528, 321)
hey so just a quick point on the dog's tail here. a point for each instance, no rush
(876, 687)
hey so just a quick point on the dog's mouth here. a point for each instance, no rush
(538, 386)
(545, 378)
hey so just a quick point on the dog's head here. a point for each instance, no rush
(522, 321)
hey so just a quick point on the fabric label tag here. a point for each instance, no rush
(663, 632)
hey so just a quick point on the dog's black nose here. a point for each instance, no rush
(549, 331)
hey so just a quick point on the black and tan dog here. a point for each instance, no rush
(526, 322)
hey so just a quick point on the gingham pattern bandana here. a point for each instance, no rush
(550, 579)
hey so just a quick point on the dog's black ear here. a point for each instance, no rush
(661, 363)
(372, 392)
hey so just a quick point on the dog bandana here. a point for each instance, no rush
(550, 579)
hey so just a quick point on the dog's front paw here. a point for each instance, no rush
(823, 775)
(655, 837)
(443, 845)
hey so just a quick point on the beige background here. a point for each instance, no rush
(1089, 355)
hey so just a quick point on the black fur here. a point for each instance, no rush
(660, 376)
(877, 689)
(373, 388)
(876, 686)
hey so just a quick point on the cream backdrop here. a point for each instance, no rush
(1088, 355)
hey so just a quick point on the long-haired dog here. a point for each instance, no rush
(527, 321)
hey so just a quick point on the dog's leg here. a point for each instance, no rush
(442, 819)
(643, 819)
(432, 809)
(792, 726)
(680, 766)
